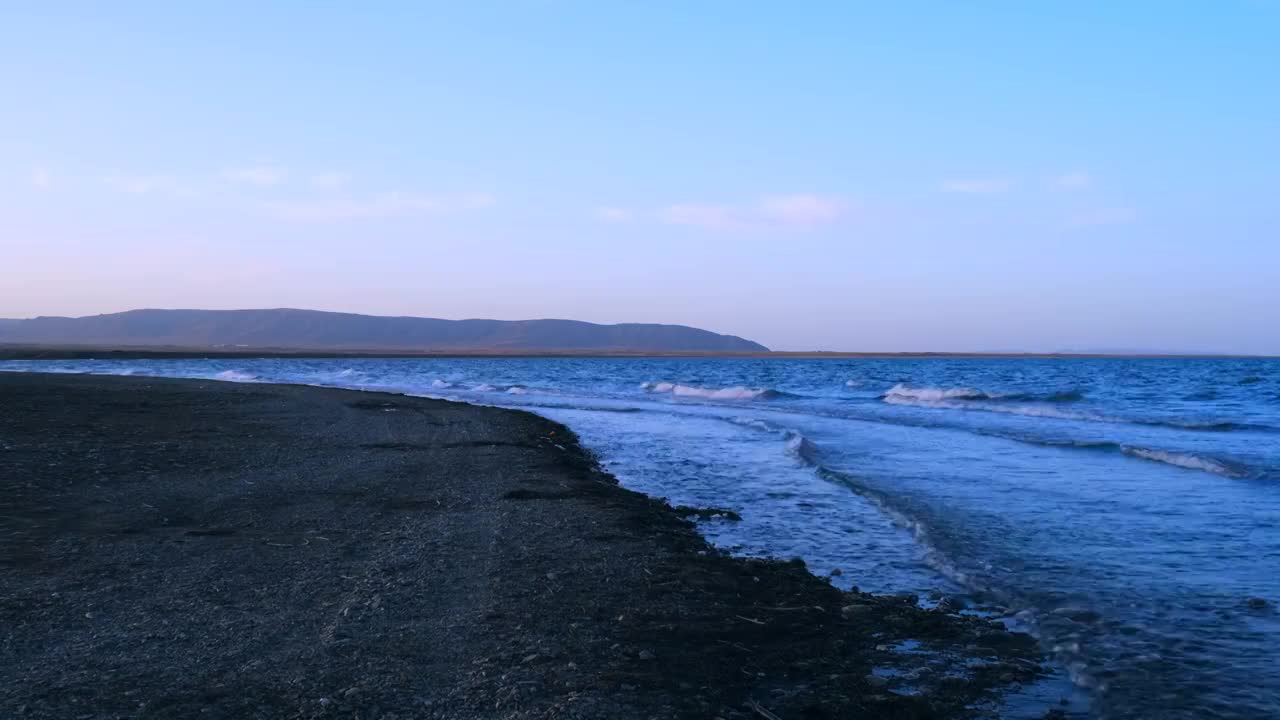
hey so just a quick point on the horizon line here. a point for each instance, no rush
(71, 351)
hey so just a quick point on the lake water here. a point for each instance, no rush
(1127, 511)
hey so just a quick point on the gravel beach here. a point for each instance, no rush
(197, 549)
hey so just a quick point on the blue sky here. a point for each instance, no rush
(859, 176)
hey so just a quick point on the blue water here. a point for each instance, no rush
(1125, 510)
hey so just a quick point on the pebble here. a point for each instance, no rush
(854, 610)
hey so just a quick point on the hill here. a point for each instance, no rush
(313, 329)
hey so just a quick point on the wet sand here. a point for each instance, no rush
(187, 548)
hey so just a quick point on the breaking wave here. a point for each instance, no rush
(1041, 406)
(905, 395)
(799, 446)
(235, 376)
(1185, 460)
(729, 393)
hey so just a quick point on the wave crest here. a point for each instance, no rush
(235, 376)
(799, 446)
(737, 392)
(1184, 460)
(906, 395)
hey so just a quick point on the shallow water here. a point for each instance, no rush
(1126, 510)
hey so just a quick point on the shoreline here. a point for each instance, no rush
(259, 550)
(10, 351)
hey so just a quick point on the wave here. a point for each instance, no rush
(799, 446)
(516, 390)
(1183, 460)
(1189, 461)
(236, 376)
(484, 387)
(969, 399)
(1186, 461)
(900, 512)
(441, 384)
(753, 423)
(904, 394)
(1206, 425)
(692, 391)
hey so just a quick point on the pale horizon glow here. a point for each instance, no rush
(863, 177)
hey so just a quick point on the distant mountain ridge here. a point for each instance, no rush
(317, 330)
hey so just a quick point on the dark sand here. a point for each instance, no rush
(194, 549)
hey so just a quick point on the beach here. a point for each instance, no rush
(193, 548)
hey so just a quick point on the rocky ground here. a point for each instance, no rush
(193, 549)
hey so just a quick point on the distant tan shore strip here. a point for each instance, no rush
(151, 352)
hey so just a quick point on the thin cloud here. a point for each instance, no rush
(259, 176)
(41, 178)
(801, 210)
(613, 214)
(382, 206)
(797, 211)
(1071, 181)
(978, 186)
(329, 180)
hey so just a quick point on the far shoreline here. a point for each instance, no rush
(117, 352)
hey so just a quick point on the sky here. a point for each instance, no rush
(868, 176)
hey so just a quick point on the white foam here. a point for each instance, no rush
(1182, 460)
(955, 399)
(752, 423)
(691, 391)
(853, 383)
(900, 392)
(441, 384)
(484, 387)
(516, 390)
(235, 376)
